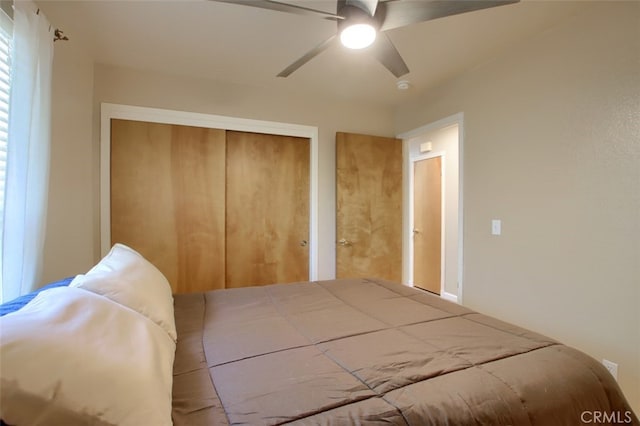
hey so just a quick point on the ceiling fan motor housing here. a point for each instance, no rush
(355, 15)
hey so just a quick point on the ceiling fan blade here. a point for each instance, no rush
(284, 7)
(307, 57)
(388, 55)
(395, 14)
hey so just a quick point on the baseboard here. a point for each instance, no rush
(449, 296)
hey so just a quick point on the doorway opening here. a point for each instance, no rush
(428, 223)
(432, 230)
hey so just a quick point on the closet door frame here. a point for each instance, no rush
(155, 115)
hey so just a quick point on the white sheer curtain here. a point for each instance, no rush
(28, 151)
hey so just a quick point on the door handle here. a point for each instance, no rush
(303, 243)
(344, 242)
(416, 231)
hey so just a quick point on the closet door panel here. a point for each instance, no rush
(267, 209)
(167, 199)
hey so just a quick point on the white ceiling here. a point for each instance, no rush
(241, 44)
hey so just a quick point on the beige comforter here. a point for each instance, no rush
(372, 352)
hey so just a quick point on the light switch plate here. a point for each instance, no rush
(496, 227)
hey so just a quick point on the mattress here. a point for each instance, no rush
(368, 351)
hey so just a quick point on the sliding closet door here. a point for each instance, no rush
(168, 199)
(369, 206)
(267, 212)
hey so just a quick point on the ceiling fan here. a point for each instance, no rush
(362, 23)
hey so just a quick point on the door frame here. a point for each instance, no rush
(407, 267)
(412, 164)
(110, 111)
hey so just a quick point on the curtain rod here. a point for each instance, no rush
(58, 34)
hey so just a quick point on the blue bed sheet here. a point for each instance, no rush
(17, 303)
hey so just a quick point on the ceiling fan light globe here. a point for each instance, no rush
(358, 36)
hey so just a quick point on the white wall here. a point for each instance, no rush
(71, 220)
(552, 147)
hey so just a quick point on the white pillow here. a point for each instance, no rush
(126, 277)
(73, 357)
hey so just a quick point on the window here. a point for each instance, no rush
(5, 83)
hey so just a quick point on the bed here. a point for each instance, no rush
(337, 352)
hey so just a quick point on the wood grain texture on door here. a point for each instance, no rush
(427, 219)
(267, 209)
(168, 199)
(369, 206)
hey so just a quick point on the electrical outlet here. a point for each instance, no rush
(612, 367)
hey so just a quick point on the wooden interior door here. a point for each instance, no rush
(167, 199)
(369, 206)
(267, 211)
(427, 228)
